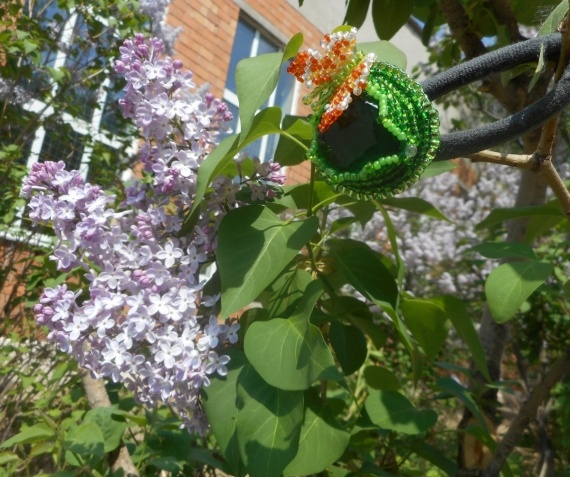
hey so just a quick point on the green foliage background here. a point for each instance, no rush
(341, 370)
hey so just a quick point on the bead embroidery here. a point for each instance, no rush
(375, 129)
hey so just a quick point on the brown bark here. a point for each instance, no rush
(97, 397)
(506, 16)
(528, 412)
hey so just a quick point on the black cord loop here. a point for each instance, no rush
(463, 143)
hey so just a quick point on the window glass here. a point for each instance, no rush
(243, 42)
(111, 111)
(62, 143)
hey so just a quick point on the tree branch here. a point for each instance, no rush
(520, 161)
(534, 162)
(461, 29)
(97, 397)
(527, 412)
(506, 16)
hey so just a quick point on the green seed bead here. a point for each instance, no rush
(406, 131)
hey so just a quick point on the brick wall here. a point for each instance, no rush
(206, 41)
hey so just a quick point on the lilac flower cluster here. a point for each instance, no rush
(146, 320)
(429, 247)
(157, 11)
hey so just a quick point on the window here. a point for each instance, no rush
(76, 120)
(250, 42)
(89, 112)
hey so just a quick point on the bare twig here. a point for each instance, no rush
(98, 397)
(536, 162)
(527, 412)
(520, 161)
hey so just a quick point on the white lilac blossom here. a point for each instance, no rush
(145, 320)
(433, 249)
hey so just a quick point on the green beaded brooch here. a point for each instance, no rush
(375, 129)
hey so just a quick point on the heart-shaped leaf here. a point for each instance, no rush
(510, 284)
(392, 410)
(291, 353)
(254, 246)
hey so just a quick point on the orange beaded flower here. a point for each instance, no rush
(336, 75)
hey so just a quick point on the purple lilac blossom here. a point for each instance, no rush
(146, 320)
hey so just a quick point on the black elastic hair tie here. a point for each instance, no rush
(463, 143)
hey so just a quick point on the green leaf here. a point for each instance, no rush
(204, 456)
(289, 152)
(550, 209)
(291, 354)
(437, 168)
(365, 271)
(430, 22)
(221, 405)
(503, 250)
(553, 21)
(393, 411)
(437, 457)
(342, 223)
(386, 52)
(107, 420)
(458, 313)
(349, 346)
(450, 386)
(566, 288)
(298, 196)
(168, 463)
(213, 165)
(254, 246)
(256, 79)
(29, 46)
(36, 433)
(351, 309)
(356, 12)
(427, 323)
(362, 210)
(381, 378)
(393, 238)
(249, 316)
(268, 424)
(321, 443)
(540, 67)
(265, 122)
(390, 15)
(292, 47)
(84, 444)
(510, 284)
(288, 290)
(8, 458)
(415, 204)
(538, 226)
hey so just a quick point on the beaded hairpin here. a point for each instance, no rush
(375, 131)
